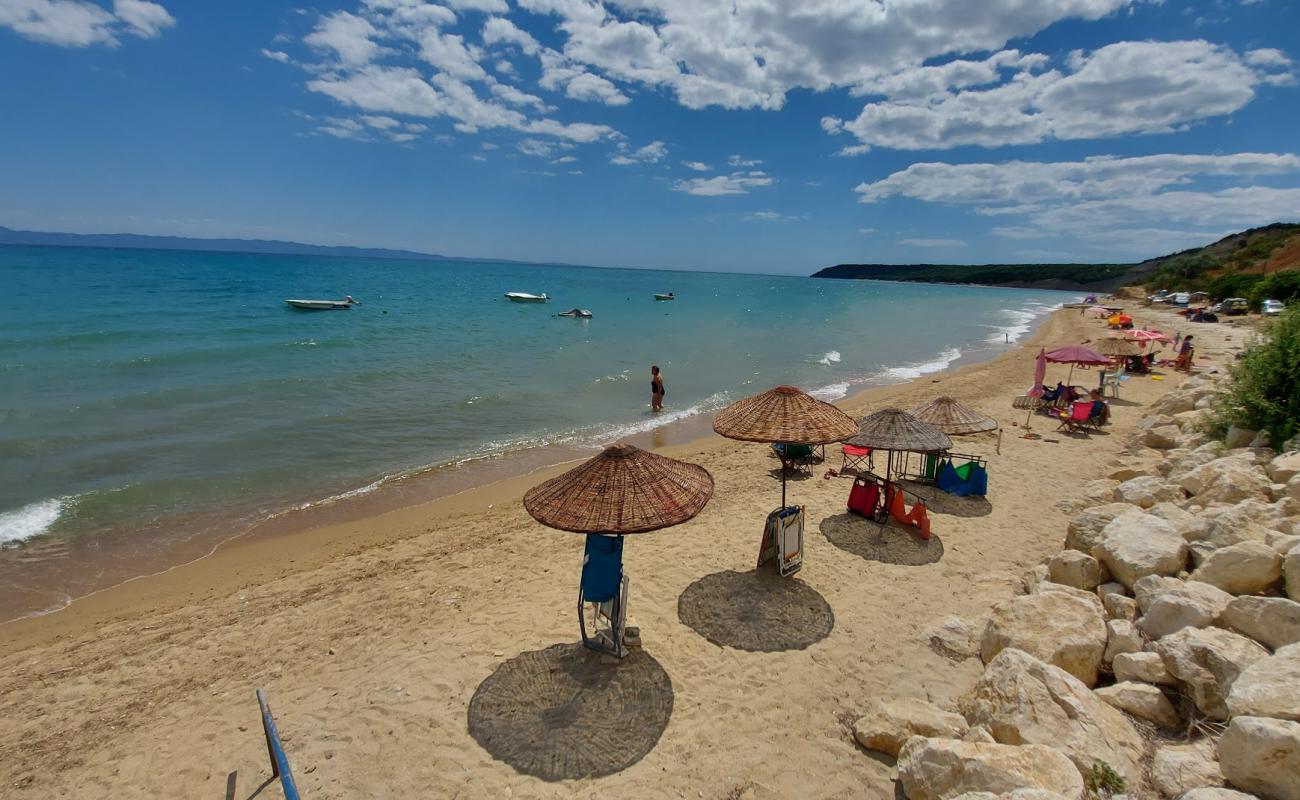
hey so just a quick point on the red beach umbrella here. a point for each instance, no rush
(1073, 354)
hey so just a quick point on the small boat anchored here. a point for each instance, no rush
(324, 305)
(665, 296)
(525, 297)
(575, 312)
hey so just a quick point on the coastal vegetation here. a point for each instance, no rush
(1265, 390)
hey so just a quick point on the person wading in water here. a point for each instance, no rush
(656, 390)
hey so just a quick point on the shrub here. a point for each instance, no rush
(1103, 781)
(1265, 390)
(1282, 286)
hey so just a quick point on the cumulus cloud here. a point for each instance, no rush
(735, 183)
(698, 166)
(79, 23)
(1122, 88)
(1147, 203)
(650, 154)
(276, 55)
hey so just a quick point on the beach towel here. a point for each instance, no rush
(967, 479)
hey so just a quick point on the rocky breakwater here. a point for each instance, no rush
(1156, 655)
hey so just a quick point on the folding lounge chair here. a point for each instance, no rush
(856, 458)
(799, 456)
(783, 540)
(1077, 417)
(602, 597)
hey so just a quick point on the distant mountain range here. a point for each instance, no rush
(269, 246)
(1268, 249)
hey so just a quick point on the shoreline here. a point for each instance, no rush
(291, 537)
(403, 490)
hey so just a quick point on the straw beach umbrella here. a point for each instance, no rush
(953, 418)
(622, 490)
(1117, 348)
(896, 430)
(785, 415)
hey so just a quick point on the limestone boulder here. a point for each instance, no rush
(1262, 755)
(887, 725)
(940, 769)
(1023, 700)
(1088, 597)
(1136, 544)
(1284, 467)
(1189, 526)
(1216, 793)
(1245, 568)
(1076, 569)
(1058, 627)
(1083, 532)
(1035, 577)
(1118, 606)
(1270, 687)
(954, 638)
(1146, 667)
(1189, 604)
(1239, 437)
(1099, 491)
(1145, 492)
(1161, 437)
(1180, 768)
(1291, 573)
(1175, 402)
(1229, 479)
(1208, 661)
(1146, 589)
(1122, 636)
(1141, 700)
(1272, 621)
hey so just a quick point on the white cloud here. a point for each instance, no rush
(538, 147)
(932, 242)
(380, 122)
(565, 160)
(773, 216)
(650, 154)
(79, 23)
(1122, 88)
(349, 37)
(488, 6)
(698, 166)
(578, 83)
(735, 183)
(276, 55)
(499, 30)
(866, 230)
(737, 161)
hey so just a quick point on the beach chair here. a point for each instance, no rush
(1076, 419)
(799, 456)
(602, 596)
(1112, 381)
(856, 458)
(864, 497)
(783, 540)
(963, 480)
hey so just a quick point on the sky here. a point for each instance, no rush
(749, 135)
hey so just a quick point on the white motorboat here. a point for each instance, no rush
(575, 312)
(324, 305)
(525, 297)
(665, 296)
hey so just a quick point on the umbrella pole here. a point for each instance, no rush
(1070, 378)
(783, 481)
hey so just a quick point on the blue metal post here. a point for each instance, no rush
(279, 761)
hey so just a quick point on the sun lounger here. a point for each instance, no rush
(783, 540)
(856, 458)
(602, 598)
(799, 456)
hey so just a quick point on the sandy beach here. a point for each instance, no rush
(371, 637)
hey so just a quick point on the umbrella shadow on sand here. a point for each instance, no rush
(564, 713)
(757, 611)
(887, 542)
(940, 502)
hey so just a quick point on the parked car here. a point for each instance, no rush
(1271, 308)
(1235, 306)
(1181, 299)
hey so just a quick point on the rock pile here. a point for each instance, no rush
(1160, 647)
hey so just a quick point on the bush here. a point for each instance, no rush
(1282, 286)
(1265, 391)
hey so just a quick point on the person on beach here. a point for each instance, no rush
(656, 389)
(1184, 361)
(1100, 411)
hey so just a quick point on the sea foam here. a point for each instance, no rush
(30, 520)
(832, 357)
(917, 370)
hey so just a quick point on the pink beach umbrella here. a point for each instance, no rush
(1098, 311)
(1073, 354)
(1147, 336)
(1040, 373)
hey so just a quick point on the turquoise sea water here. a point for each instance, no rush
(150, 393)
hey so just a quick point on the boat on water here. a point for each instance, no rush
(324, 305)
(525, 297)
(575, 312)
(665, 296)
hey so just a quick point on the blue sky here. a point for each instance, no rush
(763, 136)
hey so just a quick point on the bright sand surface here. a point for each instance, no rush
(371, 637)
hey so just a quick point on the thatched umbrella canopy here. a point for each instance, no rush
(622, 490)
(785, 415)
(953, 418)
(1118, 348)
(892, 429)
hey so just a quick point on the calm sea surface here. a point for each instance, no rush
(150, 398)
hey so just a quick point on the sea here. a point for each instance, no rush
(155, 403)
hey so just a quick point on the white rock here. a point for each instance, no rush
(1142, 700)
(1035, 577)
(938, 769)
(1118, 606)
(1262, 755)
(1073, 568)
(1284, 467)
(1291, 571)
(1148, 588)
(1023, 700)
(1239, 437)
(1084, 531)
(1145, 667)
(1161, 437)
(1244, 568)
(1190, 604)
(1208, 660)
(955, 638)
(887, 725)
(1230, 479)
(1270, 687)
(1178, 769)
(1136, 544)
(1057, 627)
(1271, 621)
(1145, 492)
(1216, 793)
(1122, 636)
(1281, 542)
(1099, 491)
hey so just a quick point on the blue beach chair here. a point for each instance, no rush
(602, 597)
